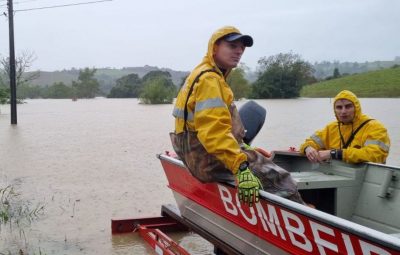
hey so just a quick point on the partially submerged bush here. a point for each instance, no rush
(158, 90)
(15, 211)
(17, 214)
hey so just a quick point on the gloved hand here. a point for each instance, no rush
(248, 187)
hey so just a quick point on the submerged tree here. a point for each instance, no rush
(238, 83)
(158, 88)
(129, 86)
(282, 76)
(87, 86)
(23, 63)
(30, 91)
(58, 90)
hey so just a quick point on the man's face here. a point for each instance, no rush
(227, 54)
(344, 110)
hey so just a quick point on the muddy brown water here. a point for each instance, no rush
(92, 160)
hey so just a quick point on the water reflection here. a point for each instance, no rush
(133, 244)
(195, 244)
(129, 244)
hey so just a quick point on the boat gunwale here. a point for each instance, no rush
(367, 233)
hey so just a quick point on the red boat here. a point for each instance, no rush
(357, 210)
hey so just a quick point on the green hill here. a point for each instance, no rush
(382, 83)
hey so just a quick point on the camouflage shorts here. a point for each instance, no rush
(274, 178)
(207, 168)
(204, 166)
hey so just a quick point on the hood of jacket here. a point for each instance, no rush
(208, 59)
(346, 94)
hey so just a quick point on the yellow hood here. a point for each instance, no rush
(346, 94)
(209, 57)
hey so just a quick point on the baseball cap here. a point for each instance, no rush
(245, 39)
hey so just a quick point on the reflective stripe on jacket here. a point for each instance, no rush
(370, 144)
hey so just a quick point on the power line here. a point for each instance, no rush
(20, 2)
(26, 1)
(59, 6)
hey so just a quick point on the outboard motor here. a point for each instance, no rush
(253, 118)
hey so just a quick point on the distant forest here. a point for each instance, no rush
(279, 76)
(107, 77)
(325, 69)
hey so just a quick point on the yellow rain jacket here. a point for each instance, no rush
(208, 108)
(370, 144)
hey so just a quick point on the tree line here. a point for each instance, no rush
(278, 76)
(85, 87)
(156, 87)
(325, 69)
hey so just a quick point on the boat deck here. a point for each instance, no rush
(317, 180)
(367, 194)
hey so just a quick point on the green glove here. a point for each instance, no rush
(248, 187)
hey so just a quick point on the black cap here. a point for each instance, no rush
(245, 39)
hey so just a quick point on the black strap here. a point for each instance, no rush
(185, 112)
(353, 134)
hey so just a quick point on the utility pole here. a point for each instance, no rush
(13, 84)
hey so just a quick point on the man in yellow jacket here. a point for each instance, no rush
(208, 130)
(354, 137)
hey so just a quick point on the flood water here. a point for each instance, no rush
(92, 160)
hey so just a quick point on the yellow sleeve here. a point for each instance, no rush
(316, 140)
(213, 123)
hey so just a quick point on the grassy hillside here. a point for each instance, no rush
(382, 83)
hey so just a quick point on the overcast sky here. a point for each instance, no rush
(174, 33)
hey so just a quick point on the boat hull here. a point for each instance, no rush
(273, 226)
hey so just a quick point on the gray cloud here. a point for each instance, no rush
(174, 33)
